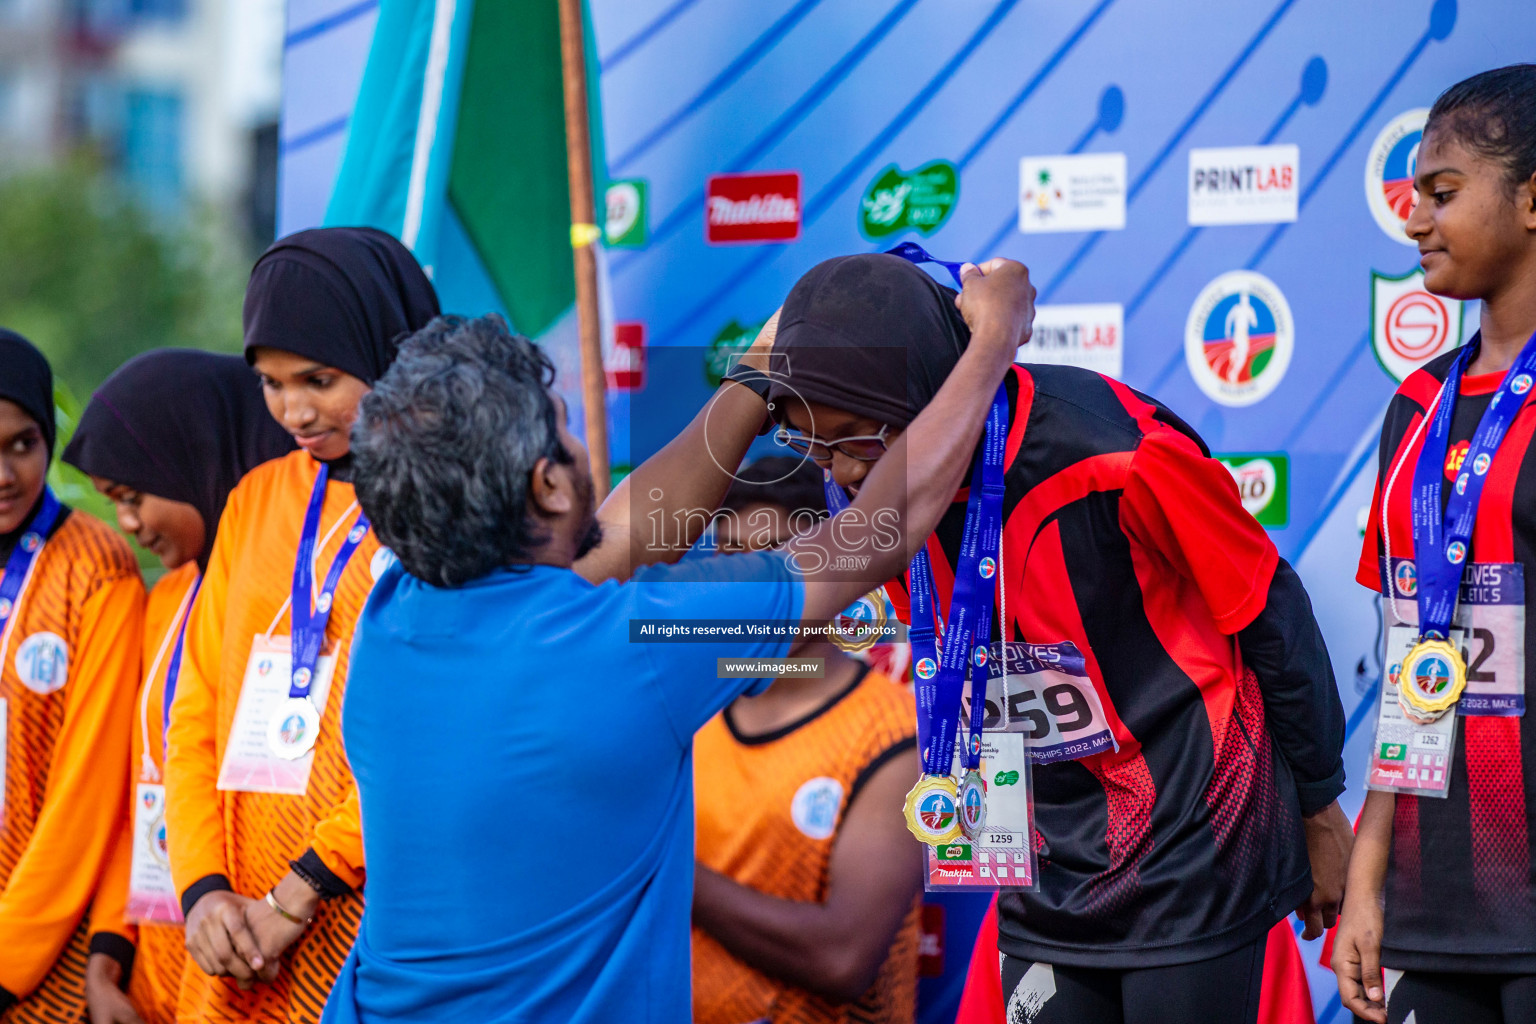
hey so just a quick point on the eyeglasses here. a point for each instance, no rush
(863, 448)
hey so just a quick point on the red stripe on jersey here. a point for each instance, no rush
(1095, 473)
(1407, 854)
(1057, 619)
(1130, 793)
(1021, 408)
(1496, 792)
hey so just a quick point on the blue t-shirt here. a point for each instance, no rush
(526, 780)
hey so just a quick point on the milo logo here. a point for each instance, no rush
(919, 200)
(734, 339)
(1263, 483)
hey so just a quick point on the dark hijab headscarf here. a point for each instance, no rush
(869, 334)
(343, 297)
(179, 424)
(27, 379)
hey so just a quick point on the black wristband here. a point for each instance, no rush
(759, 383)
(200, 888)
(318, 877)
(118, 948)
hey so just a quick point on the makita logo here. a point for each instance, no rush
(774, 209)
(753, 208)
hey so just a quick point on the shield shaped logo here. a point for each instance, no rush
(1409, 326)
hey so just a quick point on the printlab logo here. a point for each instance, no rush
(626, 226)
(1239, 337)
(752, 208)
(1243, 185)
(919, 201)
(1409, 325)
(624, 363)
(1264, 484)
(1072, 193)
(1389, 172)
(1086, 335)
(728, 345)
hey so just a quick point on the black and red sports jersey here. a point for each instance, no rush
(1461, 888)
(1123, 537)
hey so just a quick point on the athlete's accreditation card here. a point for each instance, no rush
(1005, 857)
(151, 893)
(250, 765)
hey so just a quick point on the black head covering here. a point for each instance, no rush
(178, 424)
(869, 334)
(341, 296)
(27, 379)
(787, 481)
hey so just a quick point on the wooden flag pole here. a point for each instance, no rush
(584, 235)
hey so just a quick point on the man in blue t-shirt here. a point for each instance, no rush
(522, 751)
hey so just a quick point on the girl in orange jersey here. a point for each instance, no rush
(261, 808)
(166, 437)
(71, 616)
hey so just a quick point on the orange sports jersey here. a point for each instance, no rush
(66, 757)
(767, 811)
(161, 948)
(249, 838)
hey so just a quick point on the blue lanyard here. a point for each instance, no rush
(309, 619)
(1441, 542)
(939, 677)
(173, 671)
(22, 556)
(914, 253)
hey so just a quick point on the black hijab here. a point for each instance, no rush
(27, 379)
(179, 424)
(341, 296)
(869, 334)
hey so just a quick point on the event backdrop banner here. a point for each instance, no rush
(1209, 195)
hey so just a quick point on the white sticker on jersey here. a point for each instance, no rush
(815, 806)
(42, 662)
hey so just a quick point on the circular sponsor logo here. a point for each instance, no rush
(1394, 672)
(1239, 338)
(357, 534)
(1432, 675)
(1416, 325)
(1461, 483)
(1521, 384)
(814, 807)
(323, 603)
(1481, 463)
(979, 656)
(301, 677)
(987, 568)
(1455, 551)
(975, 743)
(5, 607)
(42, 662)
(936, 811)
(926, 668)
(30, 542)
(292, 730)
(1407, 577)
(1389, 170)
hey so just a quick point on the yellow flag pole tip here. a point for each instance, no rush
(583, 235)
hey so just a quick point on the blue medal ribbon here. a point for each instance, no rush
(914, 253)
(1441, 542)
(309, 619)
(939, 676)
(25, 552)
(173, 671)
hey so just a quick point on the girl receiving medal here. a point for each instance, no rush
(1442, 882)
(166, 437)
(261, 806)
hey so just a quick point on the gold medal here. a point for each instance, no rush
(931, 810)
(861, 625)
(1431, 679)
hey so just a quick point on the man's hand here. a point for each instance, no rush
(998, 297)
(219, 940)
(1329, 838)
(274, 932)
(104, 999)
(1357, 958)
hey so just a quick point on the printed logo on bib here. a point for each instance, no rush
(42, 662)
(815, 805)
(1045, 693)
(152, 895)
